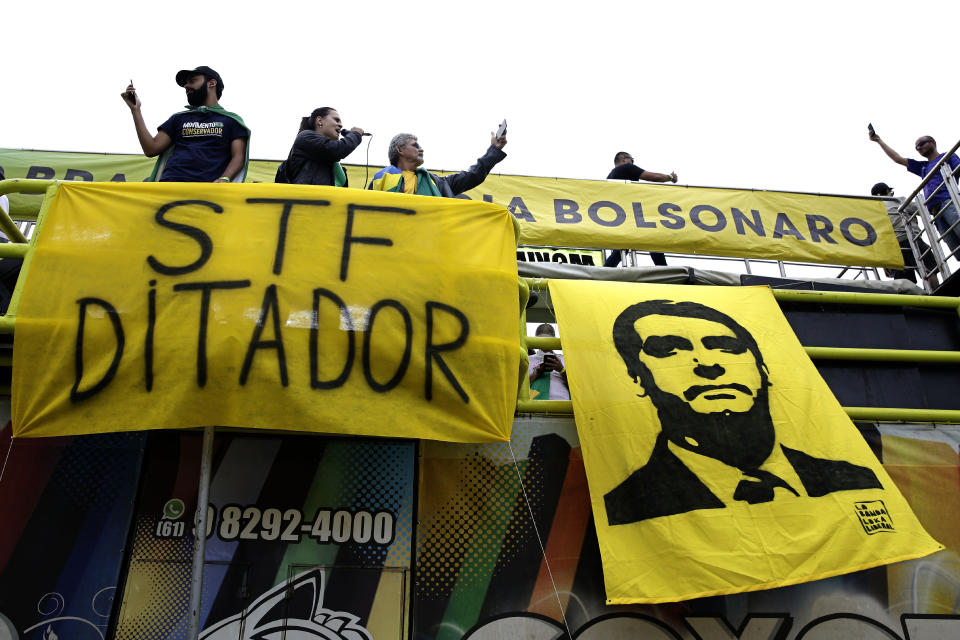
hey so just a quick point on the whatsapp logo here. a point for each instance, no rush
(173, 509)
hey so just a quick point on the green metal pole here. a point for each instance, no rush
(10, 228)
(883, 355)
(22, 185)
(13, 250)
(872, 414)
(545, 406)
(880, 414)
(50, 190)
(879, 299)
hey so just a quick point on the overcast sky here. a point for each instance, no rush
(737, 94)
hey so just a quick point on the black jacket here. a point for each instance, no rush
(665, 486)
(455, 184)
(312, 156)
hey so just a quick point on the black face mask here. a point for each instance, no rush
(197, 97)
(741, 440)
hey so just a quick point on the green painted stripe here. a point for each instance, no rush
(473, 579)
(326, 490)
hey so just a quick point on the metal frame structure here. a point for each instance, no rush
(941, 255)
(21, 247)
(749, 264)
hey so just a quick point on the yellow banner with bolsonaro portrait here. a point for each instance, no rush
(718, 460)
(267, 306)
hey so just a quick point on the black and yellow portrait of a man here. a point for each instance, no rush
(718, 460)
(707, 379)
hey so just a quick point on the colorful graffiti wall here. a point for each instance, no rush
(481, 572)
(66, 507)
(358, 539)
(306, 536)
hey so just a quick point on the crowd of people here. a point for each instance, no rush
(207, 143)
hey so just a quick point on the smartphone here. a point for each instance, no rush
(870, 127)
(502, 129)
(131, 95)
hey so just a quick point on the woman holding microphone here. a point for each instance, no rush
(317, 150)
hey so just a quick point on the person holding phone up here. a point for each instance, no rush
(406, 175)
(946, 217)
(548, 377)
(205, 143)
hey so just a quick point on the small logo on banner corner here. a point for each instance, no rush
(874, 516)
(173, 509)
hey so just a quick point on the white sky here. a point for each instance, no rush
(738, 94)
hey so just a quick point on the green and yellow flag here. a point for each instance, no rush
(718, 460)
(168, 305)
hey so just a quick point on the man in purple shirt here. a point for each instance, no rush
(934, 192)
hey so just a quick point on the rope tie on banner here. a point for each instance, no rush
(7, 457)
(536, 530)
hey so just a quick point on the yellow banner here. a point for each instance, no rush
(696, 220)
(270, 307)
(718, 461)
(557, 212)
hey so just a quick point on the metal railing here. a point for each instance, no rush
(879, 414)
(935, 223)
(935, 260)
(765, 267)
(760, 266)
(22, 238)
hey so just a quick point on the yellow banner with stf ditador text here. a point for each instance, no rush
(268, 306)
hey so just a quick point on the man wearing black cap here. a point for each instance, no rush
(206, 143)
(900, 228)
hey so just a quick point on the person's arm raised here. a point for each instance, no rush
(152, 145)
(893, 155)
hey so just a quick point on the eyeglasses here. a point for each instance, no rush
(921, 143)
(414, 145)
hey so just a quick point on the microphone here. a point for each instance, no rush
(365, 133)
